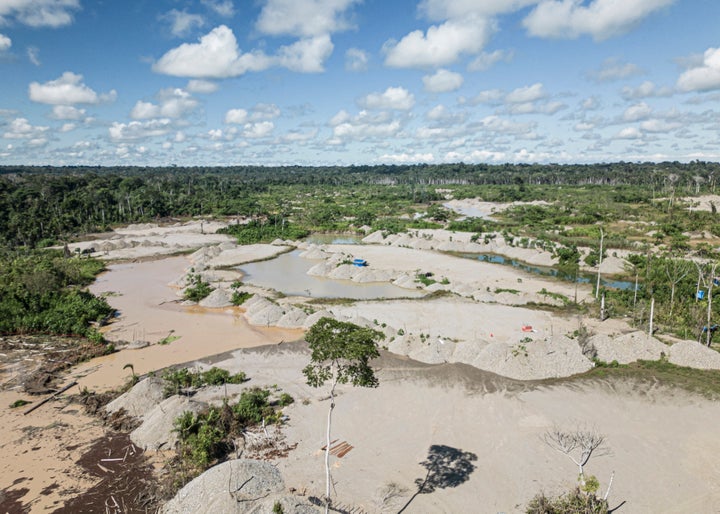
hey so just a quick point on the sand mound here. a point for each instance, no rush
(627, 348)
(220, 297)
(236, 486)
(262, 311)
(139, 400)
(157, 429)
(694, 355)
(533, 360)
(293, 318)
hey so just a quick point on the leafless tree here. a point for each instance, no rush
(579, 445)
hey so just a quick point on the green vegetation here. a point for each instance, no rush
(265, 231)
(206, 437)
(41, 292)
(425, 279)
(340, 354)
(183, 378)
(19, 403)
(197, 288)
(700, 381)
(240, 297)
(637, 207)
(574, 502)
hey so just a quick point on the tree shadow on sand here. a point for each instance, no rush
(446, 467)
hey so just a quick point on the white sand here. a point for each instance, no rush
(662, 442)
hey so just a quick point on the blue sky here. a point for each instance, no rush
(324, 82)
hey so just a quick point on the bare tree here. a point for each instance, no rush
(579, 445)
(676, 270)
(711, 281)
(600, 256)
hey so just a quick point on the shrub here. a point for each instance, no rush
(240, 297)
(574, 502)
(197, 288)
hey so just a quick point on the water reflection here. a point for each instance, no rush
(334, 239)
(545, 271)
(287, 274)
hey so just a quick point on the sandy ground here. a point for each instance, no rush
(662, 442)
(40, 449)
(702, 203)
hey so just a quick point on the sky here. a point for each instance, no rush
(357, 82)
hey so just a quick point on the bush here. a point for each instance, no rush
(197, 288)
(178, 379)
(240, 297)
(574, 502)
(39, 292)
(285, 400)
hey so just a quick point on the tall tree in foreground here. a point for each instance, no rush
(341, 353)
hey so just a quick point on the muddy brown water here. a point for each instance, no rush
(149, 310)
(287, 273)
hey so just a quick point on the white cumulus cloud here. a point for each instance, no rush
(258, 130)
(614, 69)
(600, 19)
(215, 55)
(66, 90)
(67, 112)
(39, 13)
(356, 60)
(5, 43)
(395, 98)
(182, 22)
(645, 90)
(486, 60)
(20, 128)
(629, 133)
(637, 112)
(201, 86)
(445, 9)
(526, 94)
(440, 45)
(172, 103)
(304, 18)
(443, 81)
(224, 8)
(139, 129)
(704, 77)
(306, 55)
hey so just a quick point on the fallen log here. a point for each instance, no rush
(49, 398)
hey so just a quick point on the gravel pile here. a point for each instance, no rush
(694, 355)
(156, 430)
(220, 297)
(543, 358)
(139, 400)
(293, 318)
(627, 348)
(237, 486)
(262, 311)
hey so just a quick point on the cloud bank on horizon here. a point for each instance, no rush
(340, 82)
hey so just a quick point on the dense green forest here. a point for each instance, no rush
(42, 292)
(40, 205)
(635, 205)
